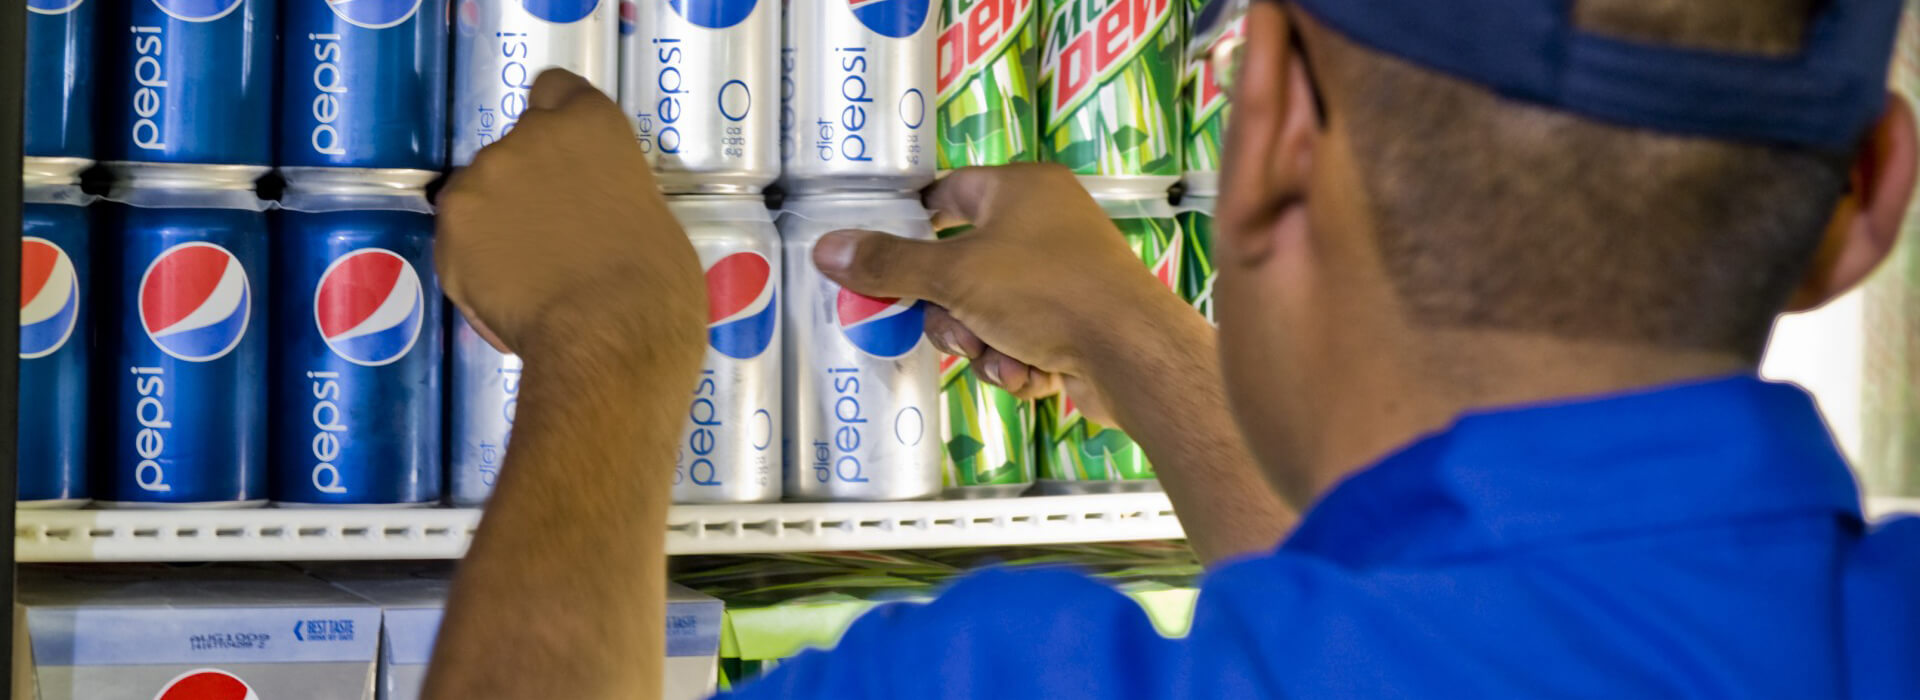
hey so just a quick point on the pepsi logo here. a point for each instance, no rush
(742, 305)
(196, 10)
(374, 14)
(53, 7)
(194, 301)
(629, 17)
(560, 11)
(886, 328)
(713, 14)
(369, 305)
(49, 297)
(206, 684)
(895, 18)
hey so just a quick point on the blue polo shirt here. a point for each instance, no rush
(1698, 541)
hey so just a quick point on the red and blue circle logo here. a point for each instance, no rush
(743, 306)
(881, 327)
(49, 297)
(194, 301)
(629, 17)
(206, 684)
(53, 7)
(369, 305)
(374, 14)
(560, 11)
(196, 10)
(713, 14)
(895, 18)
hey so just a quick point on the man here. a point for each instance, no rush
(1495, 275)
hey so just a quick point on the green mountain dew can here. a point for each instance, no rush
(1197, 272)
(987, 59)
(1077, 455)
(1109, 92)
(1203, 109)
(987, 432)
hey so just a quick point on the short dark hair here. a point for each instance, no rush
(1500, 214)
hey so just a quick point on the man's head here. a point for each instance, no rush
(1399, 244)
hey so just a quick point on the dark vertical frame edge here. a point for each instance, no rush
(13, 59)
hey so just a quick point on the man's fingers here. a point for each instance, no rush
(881, 265)
(958, 199)
(556, 87)
(950, 336)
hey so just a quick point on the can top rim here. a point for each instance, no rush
(358, 180)
(186, 175)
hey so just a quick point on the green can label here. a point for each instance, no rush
(988, 56)
(986, 430)
(1204, 106)
(1198, 273)
(1072, 448)
(1109, 87)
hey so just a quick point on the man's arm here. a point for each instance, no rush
(1045, 291)
(557, 245)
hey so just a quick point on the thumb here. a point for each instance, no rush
(556, 87)
(881, 265)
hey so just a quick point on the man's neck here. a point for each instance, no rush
(1399, 398)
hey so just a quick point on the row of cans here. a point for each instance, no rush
(174, 348)
(1092, 84)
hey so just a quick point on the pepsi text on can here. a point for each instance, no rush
(182, 324)
(356, 370)
(862, 385)
(190, 81)
(698, 80)
(858, 84)
(729, 450)
(501, 46)
(364, 84)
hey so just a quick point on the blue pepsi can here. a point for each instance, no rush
(484, 384)
(54, 268)
(188, 81)
(182, 290)
(356, 348)
(59, 95)
(363, 84)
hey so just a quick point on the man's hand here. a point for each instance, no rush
(556, 243)
(1043, 292)
(557, 234)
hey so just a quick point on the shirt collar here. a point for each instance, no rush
(1686, 454)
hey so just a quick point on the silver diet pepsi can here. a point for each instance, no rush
(698, 79)
(500, 46)
(729, 451)
(863, 385)
(858, 80)
(483, 387)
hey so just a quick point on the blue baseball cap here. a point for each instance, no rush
(1824, 97)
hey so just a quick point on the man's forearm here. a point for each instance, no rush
(1169, 397)
(562, 594)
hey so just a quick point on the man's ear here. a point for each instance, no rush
(1268, 155)
(1866, 223)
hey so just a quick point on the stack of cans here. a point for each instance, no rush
(857, 145)
(55, 259)
(1110, 112)
(988, 64)
(182, 288)
(1204, 111)
(499, 48)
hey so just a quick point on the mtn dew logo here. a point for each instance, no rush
(1109, 87)
(987, 57)
(1206, 109)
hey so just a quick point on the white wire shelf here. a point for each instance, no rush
(277, 534)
